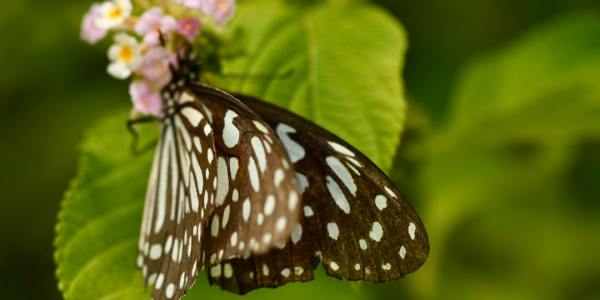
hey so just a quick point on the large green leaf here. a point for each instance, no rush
(345, 60)
(344, 78)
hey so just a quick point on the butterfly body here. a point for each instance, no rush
(259, 196)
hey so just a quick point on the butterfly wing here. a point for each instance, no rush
(221, 187)
(355, 220)
(180, 196)
(257, 201)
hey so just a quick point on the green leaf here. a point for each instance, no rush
(345, 78)
(345, 60)
(494, 176)
(98, 223)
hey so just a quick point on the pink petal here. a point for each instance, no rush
(90, 32)
(195, 4)
(145, 100)
(223, 10)
(155, 66)
(168, 24)
(189, 27)
(148, 21)
(152, 38)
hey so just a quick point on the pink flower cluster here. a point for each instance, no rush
(220, 10)
(141, 43)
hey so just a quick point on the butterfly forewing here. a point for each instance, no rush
(180, 197)
(354, 219)
(257, 202)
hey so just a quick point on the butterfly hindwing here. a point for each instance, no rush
(355, 221)
(180, 197)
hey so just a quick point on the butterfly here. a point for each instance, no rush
(258, 196)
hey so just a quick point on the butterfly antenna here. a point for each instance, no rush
(277, 76)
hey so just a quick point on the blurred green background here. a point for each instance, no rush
(501, 155)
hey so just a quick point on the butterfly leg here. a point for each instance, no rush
(135, 136)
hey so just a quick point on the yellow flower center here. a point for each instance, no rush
(126, 53)
(116, 13)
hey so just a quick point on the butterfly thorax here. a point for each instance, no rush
(184, 72)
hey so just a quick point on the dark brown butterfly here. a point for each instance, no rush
(258, 196)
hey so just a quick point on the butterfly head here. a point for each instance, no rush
(185, 71)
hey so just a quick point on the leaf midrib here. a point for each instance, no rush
(311, 50)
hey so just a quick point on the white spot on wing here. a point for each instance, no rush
(222, 182)
(341, 149)
(246, 209)
(381, 202)
(387, 189)
(185, 97)
(261, 127)
(281, 223)
(259, 150)
(233, 239)
(294, 150)
(233, 167)
(296, 234)
(170, 291)
(155, 251)
(267, 238)
(225, 217)
(253, 174)
(292, 200)
(278, 177)
(227, 270)
(411, 230)
(269, 205)
(214, 227)
(338, 195)
(159, 281)
(192, 115)
(302, 182)
(376, 232)
(363, 244)
(342, 173)
(231, 134)
(333, 230)
(215, 271)
(207, 129)
(308, 212)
